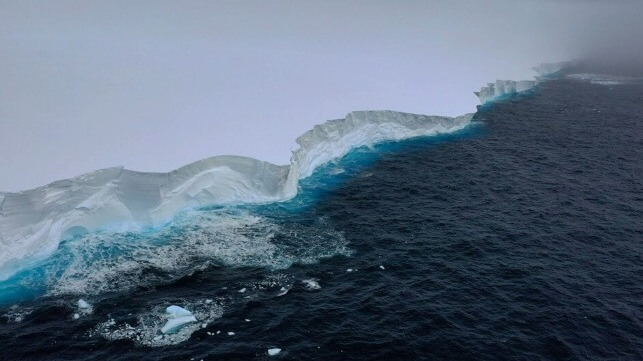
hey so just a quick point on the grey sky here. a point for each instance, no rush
(153, 85)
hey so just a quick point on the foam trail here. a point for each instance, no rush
(33, 222)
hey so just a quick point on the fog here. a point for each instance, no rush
(153, 85)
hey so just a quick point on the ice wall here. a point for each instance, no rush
(33, 222)
(503, 88)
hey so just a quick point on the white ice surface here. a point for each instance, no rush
(33, 222)
(177, 318)
(501, 88)
(174, 324)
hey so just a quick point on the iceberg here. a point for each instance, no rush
(34, 222)
(503, 88)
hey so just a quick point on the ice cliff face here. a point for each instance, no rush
(503, 88)
(33, 222)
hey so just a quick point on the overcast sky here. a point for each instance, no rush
(153, 85)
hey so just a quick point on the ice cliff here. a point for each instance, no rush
(503, 88)
(33, 222)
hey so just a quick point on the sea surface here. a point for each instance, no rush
(517, 238)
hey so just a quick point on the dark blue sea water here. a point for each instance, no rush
(519, 238)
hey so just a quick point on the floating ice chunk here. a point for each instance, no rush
(230, 333)
(208, 301)
(311, 284)
(76, 316)
(247, 320)
(204, 325)
(349, 270)
(282, 291)
(382, 267)
(274, 351)
(178, 317)
(242, 290)
(83, 305)
(176, 311)
(174, 324)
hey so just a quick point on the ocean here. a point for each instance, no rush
(519, 237)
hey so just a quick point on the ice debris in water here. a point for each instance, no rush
(274, 351)
(17, 314)
(242, 290)
(230, 333)
(84, 308)
(311, 284)
(147, 329)
(176, 311)
(178, 317)
(382, 267)
(83, 305)
(282, 291)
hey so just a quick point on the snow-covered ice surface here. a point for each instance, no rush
(33, 222)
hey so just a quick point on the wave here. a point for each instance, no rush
(34, 222)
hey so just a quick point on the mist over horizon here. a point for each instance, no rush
(155, 85)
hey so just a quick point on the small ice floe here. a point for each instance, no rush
(204, 325)
(247, 320)
(351, 270)
(83, 305)
(274, 351)
(208, 301)
(242, 290)
(230, 333)
(282, 291)
(177, 318)
(311, 284)
(382, 267)
(218, 332)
